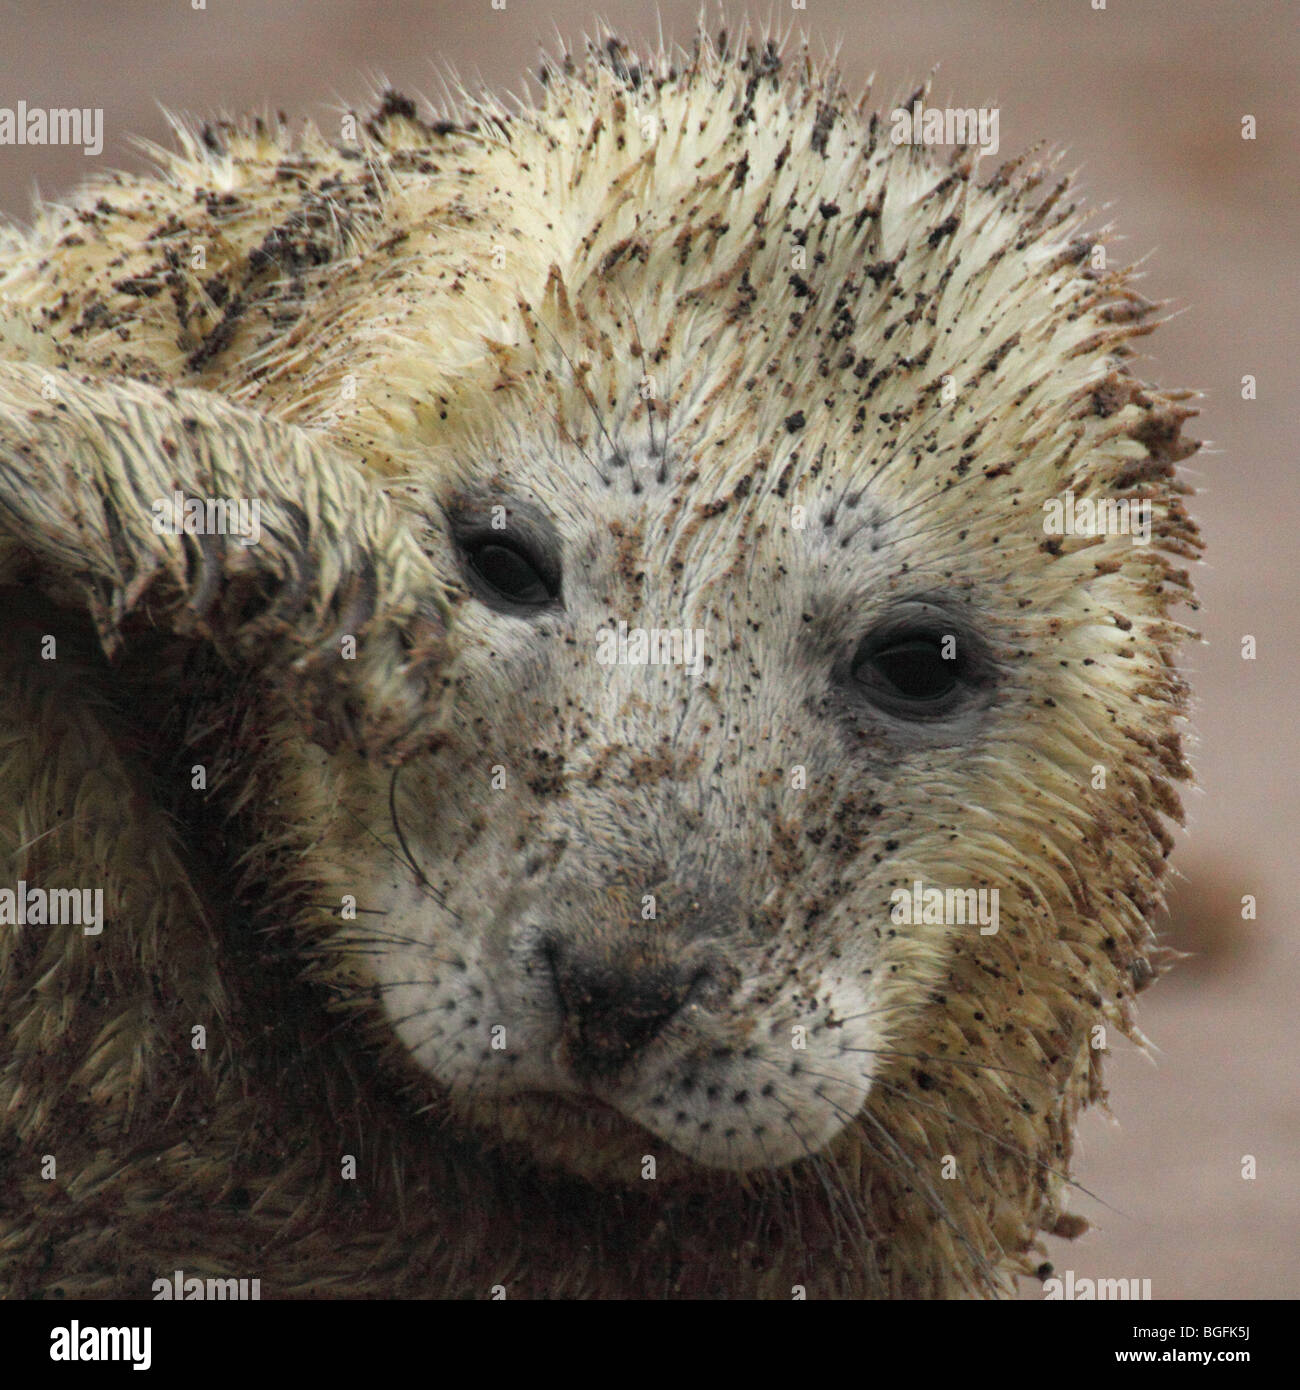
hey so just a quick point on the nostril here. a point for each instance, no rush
(612, 1011)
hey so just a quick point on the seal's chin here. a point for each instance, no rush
(582, 1135)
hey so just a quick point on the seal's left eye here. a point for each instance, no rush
(916, 674)
(507, 571)
(916, 669)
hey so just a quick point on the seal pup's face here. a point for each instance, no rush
(697, 743)
(733, 451)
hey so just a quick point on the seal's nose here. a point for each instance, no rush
(611, 1011)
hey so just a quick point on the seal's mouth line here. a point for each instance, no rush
(578, 1103)
(565, 1109)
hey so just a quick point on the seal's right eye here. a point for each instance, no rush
(507, 572)
(510, 572)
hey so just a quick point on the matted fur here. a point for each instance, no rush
(441, 306)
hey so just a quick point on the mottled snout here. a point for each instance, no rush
(613, 1004)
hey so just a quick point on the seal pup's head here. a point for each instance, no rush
(814, 712)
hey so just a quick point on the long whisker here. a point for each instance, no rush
(1003, 1144)
(401, 838)
(931, 1197)
(587, 396)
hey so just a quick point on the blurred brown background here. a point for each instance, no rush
(1148, 102)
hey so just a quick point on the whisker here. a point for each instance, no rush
(586, 392)
(935, 1060)
(1004, 1144)
(652, 405)
(401, 838)
(383, 844)
(932, 1197)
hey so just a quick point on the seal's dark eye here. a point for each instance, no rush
(507, 571)
(509, 553)
(916, 668)
(911, 673)
(510, 572)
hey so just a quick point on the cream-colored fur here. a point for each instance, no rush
(751, 371)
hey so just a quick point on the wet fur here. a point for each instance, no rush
(477, 380)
